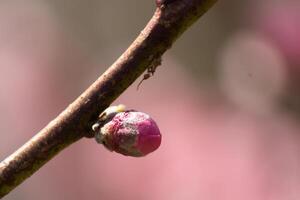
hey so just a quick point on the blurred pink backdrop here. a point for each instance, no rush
(225, 99)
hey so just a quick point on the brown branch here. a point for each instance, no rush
(167, 24)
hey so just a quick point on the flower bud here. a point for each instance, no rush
(130, 133)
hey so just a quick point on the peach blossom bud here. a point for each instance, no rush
(130, 133)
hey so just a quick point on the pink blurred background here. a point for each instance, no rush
(226, 99)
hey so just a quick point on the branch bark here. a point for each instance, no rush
(75, 122)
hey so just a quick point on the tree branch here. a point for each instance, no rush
(75, 122)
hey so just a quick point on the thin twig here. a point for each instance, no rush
(75, 122)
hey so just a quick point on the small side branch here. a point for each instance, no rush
(75, 122)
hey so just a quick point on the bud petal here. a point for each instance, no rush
(130, 133)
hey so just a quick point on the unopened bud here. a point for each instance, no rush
(130, 133)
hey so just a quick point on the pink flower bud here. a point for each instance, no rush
(130, 133)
